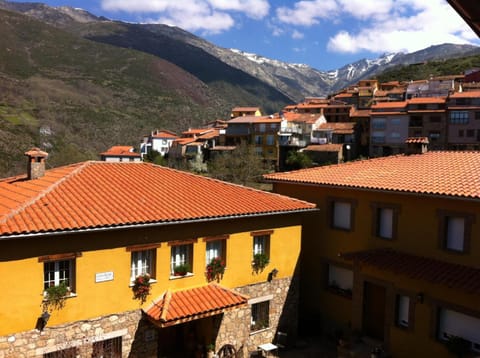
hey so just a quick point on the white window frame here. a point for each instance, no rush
(57, 272)
(141, 263)
(260, 244)
(181, 255)
(214, 249)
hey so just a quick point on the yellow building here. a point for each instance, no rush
(85, 236)
(393, 254)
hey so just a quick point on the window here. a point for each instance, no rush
(64, 353)
(142, 262)
(341, 214)
(434, 135)
(459, 117)
(182, 257)
(477, 115)
(340, 280)
(110, 348)
(270, 139)
(261, 244)
(402, 314)
(215, 248)
(258, 139)
(453, 323)
(385, 217)
(262, 127)
(57, 272)
(260, 316)
(455, 229)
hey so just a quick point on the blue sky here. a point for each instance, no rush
(324, 34)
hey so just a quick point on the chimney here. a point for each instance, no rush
(416, 145)
(36, 163)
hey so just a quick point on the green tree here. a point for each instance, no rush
(298, 160)
(242, 166)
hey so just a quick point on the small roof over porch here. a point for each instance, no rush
(177, 307)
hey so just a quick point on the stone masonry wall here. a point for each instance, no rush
(234, 328)
(137, 336)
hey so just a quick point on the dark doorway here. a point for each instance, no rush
(374, 310)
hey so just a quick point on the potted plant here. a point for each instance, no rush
(141, 287)
(54, 296)
(181, 270)
(260, 261)
(215, 269)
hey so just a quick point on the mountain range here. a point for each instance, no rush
(74, 84)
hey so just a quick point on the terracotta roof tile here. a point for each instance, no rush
(441, 173)
(186, 305)
(425, 100)
(105, 194)
(382, 105)
(121, 150)
(467, 94)
(254, 119)
(324, 148)
(454, 276)
(164, 134)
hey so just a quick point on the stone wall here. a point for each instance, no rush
(234, 328)
(138, 338)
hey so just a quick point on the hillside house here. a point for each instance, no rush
(260, 131)
(96, 228)
(392, 254)
(427, 118)
(120, 153)
(464, 120)
(245, 111)
(159, 141)
(389, 123)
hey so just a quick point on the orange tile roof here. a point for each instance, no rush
(181, 306)
(121, 150)
(99, 194)
(425, 100)
(339, 127)
(324, 148)
(467, 94)
(436, 173)
(360, 113)
(164, 134)
(454, 276)
(401, 104)
(301, 117)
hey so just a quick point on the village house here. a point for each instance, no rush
(388, 128)
(391, 260)
(159, 141)
(121, 153)
(245, 111)
(137, 260)
(464, 120)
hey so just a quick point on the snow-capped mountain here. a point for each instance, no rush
(295, 81)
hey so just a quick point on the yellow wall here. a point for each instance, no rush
(418, 234)
(21, 278)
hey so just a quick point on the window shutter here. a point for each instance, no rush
(341, 215)
(385, 229)
(455, 233)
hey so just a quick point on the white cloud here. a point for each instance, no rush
(297, 35)
(209, 16)
(380, 25)
(307, 13)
